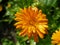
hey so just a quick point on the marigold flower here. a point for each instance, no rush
(1, 8)
(56, 37)
(32, 22)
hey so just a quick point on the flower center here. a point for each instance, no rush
(32, 21)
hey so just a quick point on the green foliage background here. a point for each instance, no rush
(9, 34)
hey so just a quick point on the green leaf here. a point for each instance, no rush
(17, 43)
(48, 2)
(32, 42)
(0, 0)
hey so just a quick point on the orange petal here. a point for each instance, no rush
(42, 20)
(24, 34)
(18, 19)
(43, 16)
(46, 26)
(41, 29)
(35, 37)
(18, 23)
(40, 12)
(18, 26)
(25, 12)
(58, 44)
(54, 42)
(40, 34)
(17, 14)
(29, 32)
(23, 31)
(30, 11)
(35, 10)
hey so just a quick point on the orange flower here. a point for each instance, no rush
(32, 22)
(1, 8)
(56, 38)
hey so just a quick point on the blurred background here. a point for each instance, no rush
(8, 32)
